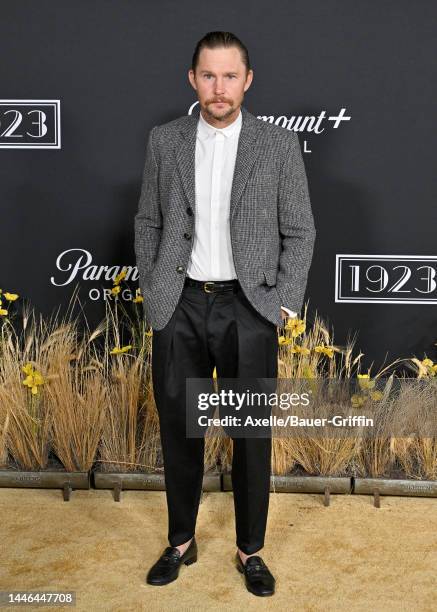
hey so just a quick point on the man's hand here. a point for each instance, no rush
(286, 312)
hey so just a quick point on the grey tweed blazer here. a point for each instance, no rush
(271, 221)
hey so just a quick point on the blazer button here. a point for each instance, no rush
(187, 236)
(180, 269)
(189, 211)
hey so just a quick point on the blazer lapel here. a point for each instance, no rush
(247, 153)
(246, 156)
(185, 157)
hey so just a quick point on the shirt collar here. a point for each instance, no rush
(206, 130)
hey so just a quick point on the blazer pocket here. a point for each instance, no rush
(270, 276)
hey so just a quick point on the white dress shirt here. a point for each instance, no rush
(216, 152)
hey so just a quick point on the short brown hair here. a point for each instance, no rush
(214, 40)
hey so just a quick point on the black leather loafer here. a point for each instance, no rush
(166, 569)
(258, 578)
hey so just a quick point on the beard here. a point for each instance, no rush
(219, 114)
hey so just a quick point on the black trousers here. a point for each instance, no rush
(208, 330)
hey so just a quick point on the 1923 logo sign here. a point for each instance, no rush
(386, 279)
(30, 124)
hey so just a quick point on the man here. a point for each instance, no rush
(224, 238)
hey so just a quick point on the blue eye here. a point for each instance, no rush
(231, 76)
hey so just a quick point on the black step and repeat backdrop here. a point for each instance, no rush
(82, 82)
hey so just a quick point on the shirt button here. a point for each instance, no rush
(187, 235)
(189, 211)
(180, 269)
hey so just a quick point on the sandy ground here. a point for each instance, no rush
(348, 556)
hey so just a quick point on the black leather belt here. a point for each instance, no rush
(212, 286)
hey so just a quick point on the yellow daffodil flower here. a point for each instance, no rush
(33, 378)
(138, 299)
(365, 382)
(425, 367)
(3, 311)
(430, 367)
(357, 400)
(119, 277)
(28, 368)
(284, 340)
(301, 350)
(119, 351)
(115, 290)
(297, 326)
(11, 297)
(325, 350)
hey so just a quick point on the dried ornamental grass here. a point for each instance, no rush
(129, 439)
(25, 359)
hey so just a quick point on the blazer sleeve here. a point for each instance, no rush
(148, 220)
(296, 228)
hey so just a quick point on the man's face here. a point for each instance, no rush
(220, 81)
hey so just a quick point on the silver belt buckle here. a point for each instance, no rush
(205, 288)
